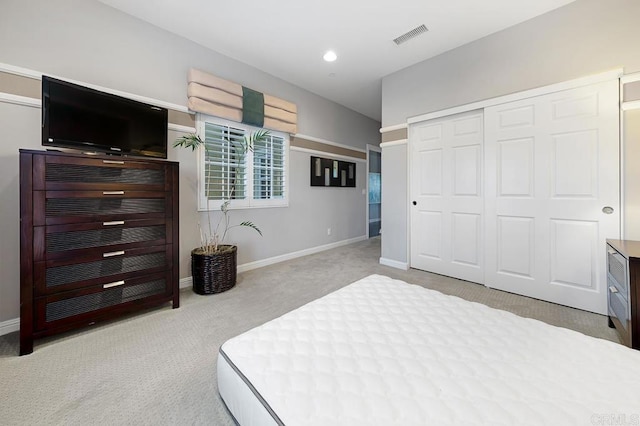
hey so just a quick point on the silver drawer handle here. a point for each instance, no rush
(113, 253)
(612, 289)
(113, 222)
(115, 284)
(112, 162)
(112, 192)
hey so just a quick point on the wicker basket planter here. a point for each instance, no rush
(214, 273)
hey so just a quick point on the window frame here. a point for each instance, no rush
(248, 202)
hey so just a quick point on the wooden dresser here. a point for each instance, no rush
(98, 238)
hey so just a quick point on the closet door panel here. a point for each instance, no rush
(551, 166)
(446, 185)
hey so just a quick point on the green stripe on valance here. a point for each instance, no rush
(252, 107)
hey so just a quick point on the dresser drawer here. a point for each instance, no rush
(89, 303)
(56, 276)
(80, 240)
(618, 306)
(617, 271)
(77, 173)
(62, 207)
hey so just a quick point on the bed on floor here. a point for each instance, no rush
(384, 352)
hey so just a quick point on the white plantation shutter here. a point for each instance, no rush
(255, 178)
(225, 166)
(268, 169)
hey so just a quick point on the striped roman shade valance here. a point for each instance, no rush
(216, 96)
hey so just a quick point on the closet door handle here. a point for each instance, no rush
(415, 203)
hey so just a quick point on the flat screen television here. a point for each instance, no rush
(82, 118)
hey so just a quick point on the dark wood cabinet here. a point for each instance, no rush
(623, 289)
(98, 238)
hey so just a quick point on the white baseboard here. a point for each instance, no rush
(277, 259)
(9, 326)
(187, 282)
(394, 264)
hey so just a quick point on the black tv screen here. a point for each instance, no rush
(79, 117)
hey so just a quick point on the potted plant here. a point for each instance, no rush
(214, 263)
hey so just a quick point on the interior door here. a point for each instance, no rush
(446, 195)
(552, 194)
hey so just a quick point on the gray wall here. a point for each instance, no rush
(582, 38)
(20, 128)
(394, 203)
(300, 226)
(93, 43)
(631, 182)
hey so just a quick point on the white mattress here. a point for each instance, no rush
(384, 352)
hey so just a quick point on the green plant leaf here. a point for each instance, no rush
(191, 140)
(251, 225)
(257, 136)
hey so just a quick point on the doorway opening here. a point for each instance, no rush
(374, 197)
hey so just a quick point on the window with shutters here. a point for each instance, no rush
(255, 178)
(268, 168)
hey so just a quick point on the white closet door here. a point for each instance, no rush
(552, 165)
(446, 194)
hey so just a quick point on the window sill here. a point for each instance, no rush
(245, 207)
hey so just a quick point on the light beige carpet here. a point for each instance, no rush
(158, 367)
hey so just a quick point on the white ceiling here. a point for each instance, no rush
(287, 38)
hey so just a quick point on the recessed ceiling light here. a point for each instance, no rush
(330, 56)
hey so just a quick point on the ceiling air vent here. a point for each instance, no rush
(411, 34)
